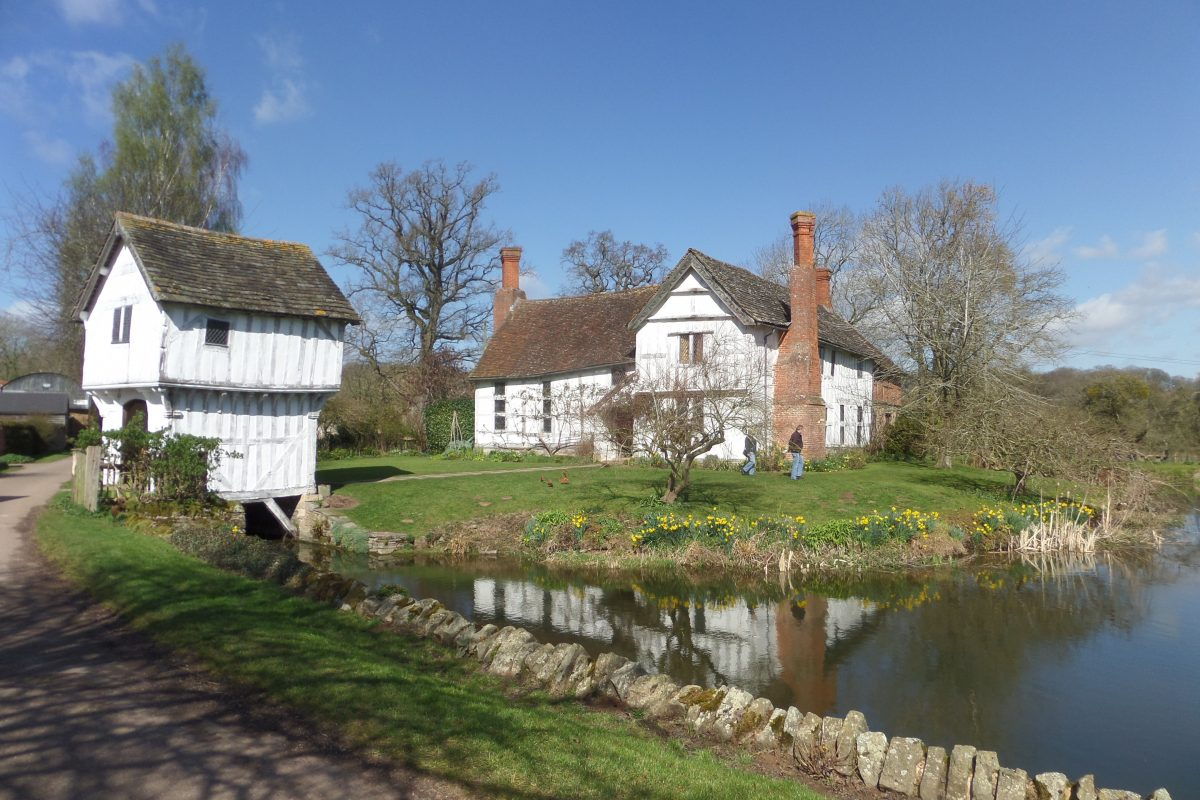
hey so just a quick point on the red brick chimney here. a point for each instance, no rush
(509, 293)
(824, 290)
(798, 367)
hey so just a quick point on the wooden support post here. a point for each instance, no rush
(283, 518)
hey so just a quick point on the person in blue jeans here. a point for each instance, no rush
(796, 447)
(750, 451)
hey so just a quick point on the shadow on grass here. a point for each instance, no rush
(340, 476)
(992, 488)
(406, 698)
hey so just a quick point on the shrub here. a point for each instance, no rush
(903, 440)
(15, 458)
(836, 533)
(439, 416)
(23, 438)
(543, 526)
(906, 525)
(230, 549)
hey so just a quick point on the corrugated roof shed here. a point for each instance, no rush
(27, 403)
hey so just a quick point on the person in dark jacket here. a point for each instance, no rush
(796, 448)
(750, 451)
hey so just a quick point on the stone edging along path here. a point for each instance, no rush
(818, 745)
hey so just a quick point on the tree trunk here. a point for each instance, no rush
(677, 483)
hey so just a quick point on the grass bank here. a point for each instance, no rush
(418, 506)
(403, 698)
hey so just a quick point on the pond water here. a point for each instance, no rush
(1075, 665)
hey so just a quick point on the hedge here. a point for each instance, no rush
(439, 416)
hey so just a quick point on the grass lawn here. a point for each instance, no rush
(403, 697)
(376, 468)
(819, 496)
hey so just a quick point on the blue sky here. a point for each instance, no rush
(694, 125)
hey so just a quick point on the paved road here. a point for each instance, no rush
(90, 709)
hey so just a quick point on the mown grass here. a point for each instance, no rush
(404, 698)
(819, 496)
(367, 469)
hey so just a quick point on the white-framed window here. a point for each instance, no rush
(547, 408)
(832, 361)
(859, 436)
(842, 423)
(691, 348)
(122, 320)
(216, 332)
(499, 406)
(858, 368)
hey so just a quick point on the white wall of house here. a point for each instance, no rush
(847, 386)
(260, 393)
(263, 352)
(524, 420)
(692, 308)
(271, 436)
(132, 363)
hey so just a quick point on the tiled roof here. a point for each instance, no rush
(564, 334)
(223, 270)
(754, 300)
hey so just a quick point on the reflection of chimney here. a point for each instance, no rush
(509, 293)
(798, 367)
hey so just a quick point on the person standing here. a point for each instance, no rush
(750, 451)
(796, 448)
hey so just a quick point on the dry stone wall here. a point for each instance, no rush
(822, 746)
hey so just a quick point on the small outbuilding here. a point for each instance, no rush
(216, 335)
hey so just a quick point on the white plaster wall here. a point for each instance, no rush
(273, 434)
(132, 363)
(846, 387)
(523, 410)
(264, 351)
(692, 308)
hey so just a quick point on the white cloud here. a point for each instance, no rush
(1106, 248)
(36, 88)
(286, 96)
(93, 73)
(1047, 250)
(52, 150)
(81, 12)
(284, 103)
(1154, 244)
(1155, 298)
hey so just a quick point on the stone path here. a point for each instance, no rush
(560, 468)
(91, 709)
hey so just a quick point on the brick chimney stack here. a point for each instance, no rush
(798, 367)
(509, 293)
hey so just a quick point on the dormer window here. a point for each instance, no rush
(216, 333)
(122, 318)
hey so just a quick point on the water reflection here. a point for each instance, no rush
(1080, 664)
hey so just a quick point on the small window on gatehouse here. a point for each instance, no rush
(122, 319)
(217, 333)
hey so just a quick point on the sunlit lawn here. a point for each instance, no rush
(374, 468)
(415, 506)
(403, 698)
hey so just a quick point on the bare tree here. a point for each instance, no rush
(600, 263)
(837, 241)
(965, 311)
(561, 418)
(683, 410)
(423, 257)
